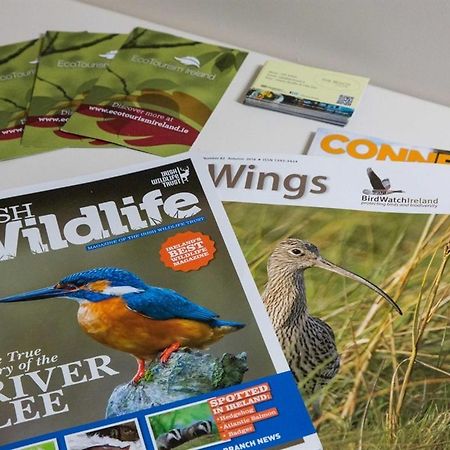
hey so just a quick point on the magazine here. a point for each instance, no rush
(306, 91)
(345, 144)
(158, 92)
(69, 65)
(358, 279)
(17, 69)
(150, 261)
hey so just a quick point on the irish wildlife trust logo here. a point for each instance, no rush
(379, 186)
(172, 177)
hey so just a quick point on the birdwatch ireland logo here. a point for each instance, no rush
(379, 186)
(381, 193)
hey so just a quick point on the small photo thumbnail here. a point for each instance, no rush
(120, 436)
(184, 428)
(44, 445)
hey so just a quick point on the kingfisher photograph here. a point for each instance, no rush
(359, 301)
(97, 324)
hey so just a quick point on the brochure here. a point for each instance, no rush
(150, 261)
(345, 144)
(158, 93)
(306, 91)
(69, 65)
(17, 68)
(381, 378)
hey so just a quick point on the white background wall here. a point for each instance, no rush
(402, 45)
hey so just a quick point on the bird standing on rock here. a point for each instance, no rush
(118, 309)
(308, 342)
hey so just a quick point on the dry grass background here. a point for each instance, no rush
(393, 388)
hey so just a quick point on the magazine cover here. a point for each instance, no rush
(17, 70)
(69, 65)
(158, 93)
(130, 319)
(357, 285)
(344, 144)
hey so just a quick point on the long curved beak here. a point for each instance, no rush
(327, 265)
(37, 294)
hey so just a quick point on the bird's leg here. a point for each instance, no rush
(165, 355)
(140, 372)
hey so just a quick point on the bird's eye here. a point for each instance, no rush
(296, 252)
(66, 287)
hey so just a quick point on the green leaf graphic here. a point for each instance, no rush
(42, 105)
(225, 61)
(157, 84)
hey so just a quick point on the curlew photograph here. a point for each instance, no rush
(360, 303)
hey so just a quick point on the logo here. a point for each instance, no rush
(379, 186)
(381, 194)
(172, 177)
(109, 55)
(190, 66)
(188, 61)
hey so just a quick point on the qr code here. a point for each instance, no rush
(345, 100)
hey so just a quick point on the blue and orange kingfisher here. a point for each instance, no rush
(117, 309)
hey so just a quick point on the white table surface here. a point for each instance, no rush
(232, 127)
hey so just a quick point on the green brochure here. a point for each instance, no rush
(69, 65)
(158, 92)
(17, 69)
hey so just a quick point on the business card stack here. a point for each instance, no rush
(309, 92)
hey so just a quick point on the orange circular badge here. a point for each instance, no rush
(187, 251)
